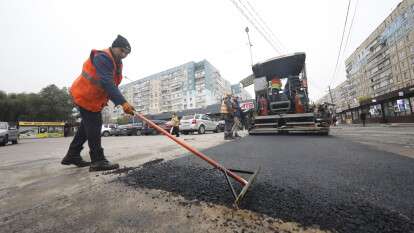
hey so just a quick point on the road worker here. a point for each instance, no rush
(98, 83)
(227, 113)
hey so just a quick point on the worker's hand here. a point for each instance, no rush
(128, 109)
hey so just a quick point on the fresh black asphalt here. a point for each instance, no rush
(339, 185)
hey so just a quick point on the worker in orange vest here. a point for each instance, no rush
(98, 83)
(263, 106)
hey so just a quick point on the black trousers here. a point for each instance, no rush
(89, 130)
(176, 131)
(228, 125)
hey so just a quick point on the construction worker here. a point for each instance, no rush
(227, 113)
(98, 82)
(263, 106)
(175, 125)
(237, 117)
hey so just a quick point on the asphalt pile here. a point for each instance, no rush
(196, 182)
(333, 183)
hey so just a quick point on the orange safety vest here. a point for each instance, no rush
(87, 91)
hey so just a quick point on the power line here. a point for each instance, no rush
(350, 27)
(256, 18)
(267, 27)
(340, 46)
(255, 26)
(259, 27)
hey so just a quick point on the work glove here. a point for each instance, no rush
(128, 109)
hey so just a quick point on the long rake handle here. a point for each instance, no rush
(215, 164)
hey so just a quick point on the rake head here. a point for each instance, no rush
(243, 192)
(247, 184)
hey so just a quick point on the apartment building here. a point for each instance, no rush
(238, 90)
(188, 86)
(380, 72)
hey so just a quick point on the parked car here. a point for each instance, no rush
(130, 129)
(8, 133)
(148, 130)
(108, 130)
(197, 123)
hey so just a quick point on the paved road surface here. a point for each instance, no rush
(307, 184)
(328, 181)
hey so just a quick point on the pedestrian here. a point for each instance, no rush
(175, 125)
(98, 83)
(363, 117)
(334, 120)
(237, 117)
(227, 113)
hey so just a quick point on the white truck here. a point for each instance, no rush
(8, 133)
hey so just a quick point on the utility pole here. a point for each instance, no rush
(330, 94)
(334, 106)
(250, 45)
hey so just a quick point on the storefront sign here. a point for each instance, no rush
(31, 123)
(41, 129)
(247, 105)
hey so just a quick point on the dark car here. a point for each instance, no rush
(220, 126)
(130, 129)
(148, 130)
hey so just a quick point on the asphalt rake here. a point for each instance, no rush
(228, 173)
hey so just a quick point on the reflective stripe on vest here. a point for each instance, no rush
(91, 79)
(223, 107)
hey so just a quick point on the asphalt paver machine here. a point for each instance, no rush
(282, 101)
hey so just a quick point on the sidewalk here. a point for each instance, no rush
(375, 125)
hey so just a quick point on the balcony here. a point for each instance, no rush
(380, 70)
(373, 55)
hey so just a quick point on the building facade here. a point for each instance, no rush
(238, 90)
(189, 86)
(380, 72)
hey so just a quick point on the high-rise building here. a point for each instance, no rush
(380, 72)
(238, 90)
(188, 86)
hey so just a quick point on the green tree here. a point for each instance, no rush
(51, 104)
(56, 103)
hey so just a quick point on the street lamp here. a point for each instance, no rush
(250, 45)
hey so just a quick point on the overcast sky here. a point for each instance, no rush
(45, 42)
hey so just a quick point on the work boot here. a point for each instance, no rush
(76, 160)
(237, 136)
(103, 165)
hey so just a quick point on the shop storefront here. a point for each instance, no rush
(41, 129)
(393, 107)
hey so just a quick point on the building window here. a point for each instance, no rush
(412, 104)
(405, 76)
(402, 107)
(375, 111)
(389, 109)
